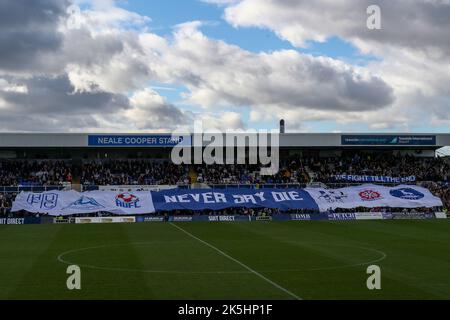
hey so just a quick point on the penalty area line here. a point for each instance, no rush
(276, 285)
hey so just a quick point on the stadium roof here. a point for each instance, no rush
(81, 140)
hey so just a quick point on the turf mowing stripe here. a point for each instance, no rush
(276, 285)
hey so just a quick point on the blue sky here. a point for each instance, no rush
(168, 13)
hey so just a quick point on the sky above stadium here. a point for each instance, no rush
(141, 66)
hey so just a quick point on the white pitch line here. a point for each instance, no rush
(276, 285)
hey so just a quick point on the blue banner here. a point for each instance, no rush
(197, 200)
(382, 179)
(308, 216)
(26, 220)
(341, 216)
(226, 218)
(388, 140)
(138, 140)
(181, 218)
(412, 215)
(281, 217)
(149, 219)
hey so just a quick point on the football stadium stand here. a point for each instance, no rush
(39, 162)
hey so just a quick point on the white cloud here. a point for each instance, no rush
(218, 74)
(151, 111)
(90, 72)
(415, 24)
(221, 121)
(6, 86)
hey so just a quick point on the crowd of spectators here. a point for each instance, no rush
(297, 170)
(441, 190)
(133, 172)
(34, 172)
(291, 172)
(424, 169)
(309, 169)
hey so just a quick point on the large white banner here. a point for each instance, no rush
(56, 203)
(373, 196)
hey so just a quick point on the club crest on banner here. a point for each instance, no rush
(370, 195)
(45, 201)
(332, 196)
(127, 200)
(85, 203)
(407, 194)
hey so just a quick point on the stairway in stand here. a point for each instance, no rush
(193, 175)
(76, 175)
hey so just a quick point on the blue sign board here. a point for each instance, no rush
(384, 179)
(15, 221)
(388, 140)
(341, 216)
(149, 219)
(138, 140)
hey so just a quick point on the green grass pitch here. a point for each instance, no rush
(259, 260)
